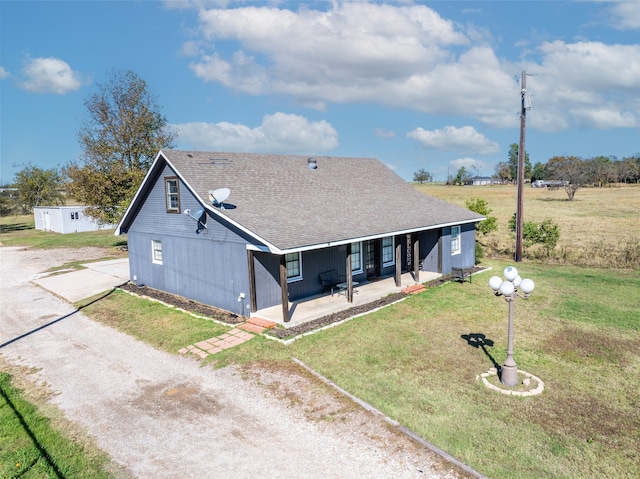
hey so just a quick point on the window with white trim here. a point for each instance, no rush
(294, 266)
(388, 251)
(156, 251)
(455, 240)
(356, 258)
(172, 194)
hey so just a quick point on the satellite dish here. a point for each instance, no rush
(200, 216)
(218, 196)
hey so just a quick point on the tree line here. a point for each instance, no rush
(572, 171)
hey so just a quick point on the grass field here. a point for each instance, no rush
(600, 227)
(20, 231)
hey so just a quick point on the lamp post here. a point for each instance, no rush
(510, 288)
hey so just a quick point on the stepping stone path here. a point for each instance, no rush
(231, 338)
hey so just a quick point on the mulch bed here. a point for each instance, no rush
(280, 333)
(185, 304)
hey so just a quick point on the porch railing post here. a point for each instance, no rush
(349, 275)
(398, 262)
(253, 301)
(416, 257)
(284, 288)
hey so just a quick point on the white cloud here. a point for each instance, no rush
(278, 133)
(4, 73)
(586, 84)
(354, 52)
(626, 15)
(49, 75)
(409, 56)
(450, 138)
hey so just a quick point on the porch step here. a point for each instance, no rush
(415, 289)
(254, 328)
(263, 323)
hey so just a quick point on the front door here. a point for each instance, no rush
(372, 258)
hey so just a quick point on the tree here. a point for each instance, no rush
(480, 206)
(601, 170)
(629, 170)
(38, 187)
(539, 171)
(120, 137)
(462, 176)
(513, 162)
(569, 169)
(422, 175)
(502, 172)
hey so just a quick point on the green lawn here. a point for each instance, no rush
(30, 447)
(579, 332)
(20, 231)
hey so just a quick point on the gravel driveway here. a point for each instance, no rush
(164, 416)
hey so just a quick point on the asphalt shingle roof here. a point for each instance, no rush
(281, 200)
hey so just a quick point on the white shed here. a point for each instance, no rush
(66, 219)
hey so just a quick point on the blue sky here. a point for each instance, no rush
(433, 85)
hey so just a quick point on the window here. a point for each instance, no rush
(455, 240)
(156, 251)
(388, 251)
(356, 258)
(74, 215)
(172, 192)
(294, 266)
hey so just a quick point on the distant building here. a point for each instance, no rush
(482, 181)
(66, 219)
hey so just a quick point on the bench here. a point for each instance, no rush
(330, 280)
(461, 274)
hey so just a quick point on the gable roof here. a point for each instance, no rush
(289, 207)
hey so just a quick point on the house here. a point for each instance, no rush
(221, 228)
(481, 181)
(66, 219)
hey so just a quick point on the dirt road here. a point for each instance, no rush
(165, 416)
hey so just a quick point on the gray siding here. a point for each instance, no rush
(429, 250)
(210, 267)
(466, 257)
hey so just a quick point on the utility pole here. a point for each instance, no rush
(525, 104)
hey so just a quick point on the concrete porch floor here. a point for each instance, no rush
(323, 305)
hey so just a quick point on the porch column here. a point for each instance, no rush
(253, 302)
(284, 288)
(398, 262)
(349, 275)
(416, 257)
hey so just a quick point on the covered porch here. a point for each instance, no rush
(318, 306)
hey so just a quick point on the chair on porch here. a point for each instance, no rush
(330, 279)
(461, 274)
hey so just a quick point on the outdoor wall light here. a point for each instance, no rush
(509, 288)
